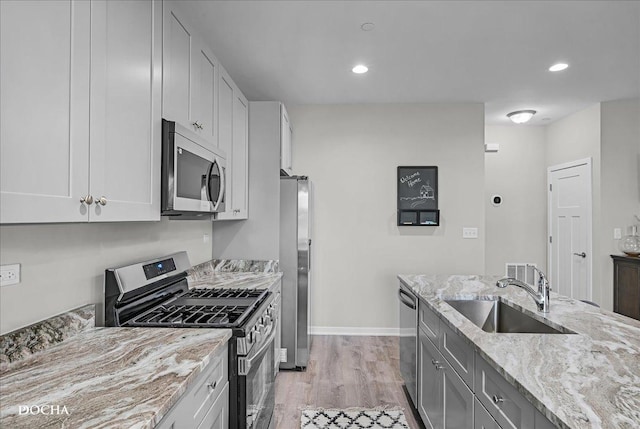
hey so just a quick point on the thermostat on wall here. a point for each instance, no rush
(496, 200)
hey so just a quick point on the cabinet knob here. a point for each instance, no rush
(102, 201)
(197, 125)
(497, 399)
(87, 199)
(582, 255)
(212, 386)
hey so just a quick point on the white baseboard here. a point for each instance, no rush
(371, 332)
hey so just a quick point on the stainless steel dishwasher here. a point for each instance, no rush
(409, 341)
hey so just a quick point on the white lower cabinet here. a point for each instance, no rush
(205, 404)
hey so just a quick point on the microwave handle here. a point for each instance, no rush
(216, 203)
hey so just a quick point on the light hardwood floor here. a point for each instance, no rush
(343, 372)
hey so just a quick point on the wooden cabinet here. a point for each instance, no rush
(205, 404)
(190, 81)
(79, 141)
(233, 138)
(286, 133)
(626, 286)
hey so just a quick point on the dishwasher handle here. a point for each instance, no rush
(411, 303)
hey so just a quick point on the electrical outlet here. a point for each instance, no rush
(617, 233)
(9, 274)
(469, 232)
(283, 355)
(205, 238)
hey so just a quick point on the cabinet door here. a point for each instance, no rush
(240, 156)
(503, 401)
(176, 65)
(204, 84)
(225, 136)
(125, 110)
(233, 127)
(217, 416)
(285, 140)
(458, 400)
(481, 417)
(430, 369)
(44, 111)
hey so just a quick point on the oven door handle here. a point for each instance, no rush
(245, 364)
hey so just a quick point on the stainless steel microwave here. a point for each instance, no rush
(193, 177)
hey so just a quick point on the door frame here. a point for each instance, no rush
(589, 217)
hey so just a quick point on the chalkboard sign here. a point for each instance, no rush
(418, 196)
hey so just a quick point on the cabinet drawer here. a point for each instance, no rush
(194, 404)
(507, 406)
(458, 353)
(429, 322)
(481, 417)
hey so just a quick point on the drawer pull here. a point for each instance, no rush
(497, 399)
(439, 367)
(213, 385)
(435, 362)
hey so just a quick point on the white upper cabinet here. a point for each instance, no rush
(126, 89)
(233, 122)
(190, 81)
(285, 141)
(61, 163)
(44, 111)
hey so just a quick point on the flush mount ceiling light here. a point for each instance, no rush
(521, 116)
(558, 67)
(360, 69)
(367, 26)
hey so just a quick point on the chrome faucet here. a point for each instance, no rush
(541, 297)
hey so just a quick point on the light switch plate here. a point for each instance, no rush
(469, 232)
(9, 274)
(617, 233)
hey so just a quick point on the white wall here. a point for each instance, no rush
(516, 230)
(351, 154)
(577, 137)
(620, 172)
(63, 264)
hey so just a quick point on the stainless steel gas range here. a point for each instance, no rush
(155, 293)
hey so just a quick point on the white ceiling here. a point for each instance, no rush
(492, 52)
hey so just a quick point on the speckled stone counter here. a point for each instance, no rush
(588, 380)
(235, 274)
(107, 377)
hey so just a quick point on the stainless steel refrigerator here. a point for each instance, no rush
(295, 263)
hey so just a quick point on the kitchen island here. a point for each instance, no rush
(102, 377)
(590, 379)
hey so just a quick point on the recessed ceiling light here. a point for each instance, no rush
(360, 68)
(521, 116)
(367, 26)
(558, 67)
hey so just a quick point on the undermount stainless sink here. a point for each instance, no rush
(497, 317)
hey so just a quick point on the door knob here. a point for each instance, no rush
(582, 255)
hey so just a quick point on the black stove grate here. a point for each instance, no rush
(203, 308)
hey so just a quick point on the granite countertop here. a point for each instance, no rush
(235, 274)
(588, 380)
(107, 377)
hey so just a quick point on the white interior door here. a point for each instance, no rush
(570, 255)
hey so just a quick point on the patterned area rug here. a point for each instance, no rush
(353, 418)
